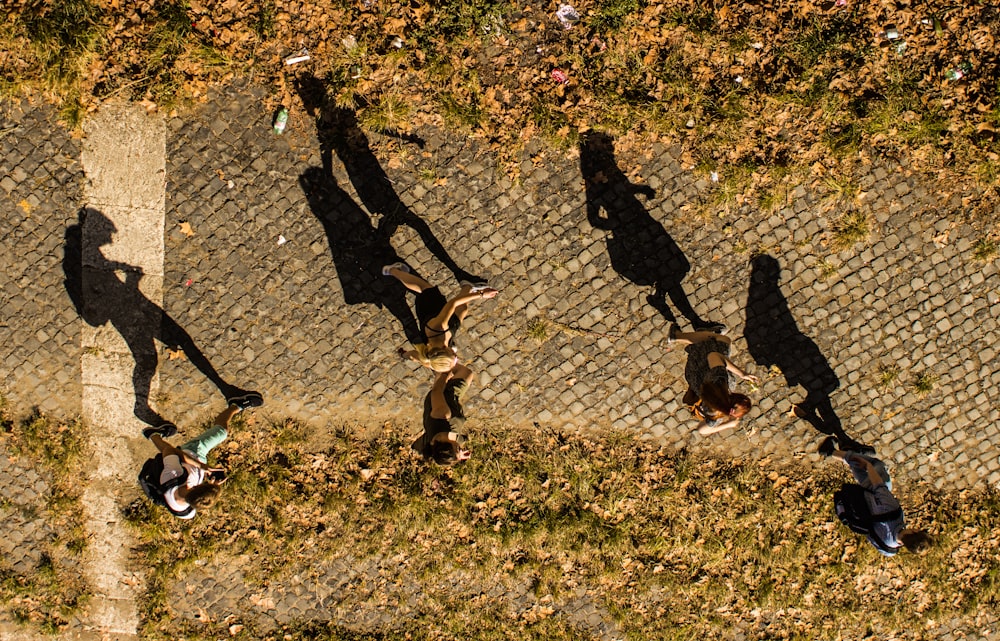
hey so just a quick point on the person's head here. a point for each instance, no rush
(449, 452)
(203, 496)
(439, 359)
(740, 405)
(916, 541)
(721, 401)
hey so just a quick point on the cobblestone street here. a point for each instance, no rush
(275, 277)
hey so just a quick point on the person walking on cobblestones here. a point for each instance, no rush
(640, 249)
(443, 415)
(869, 507)
(708, 376)
(185, 482)
(100, 297)
(439, 318)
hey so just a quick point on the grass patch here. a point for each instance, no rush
(49, 594)
(827, 270)
(851, 228)
(655, 535)
(887, 377)
(924, 384)
(65, 35)
(985, 249)
(538, 330)
(389, 113)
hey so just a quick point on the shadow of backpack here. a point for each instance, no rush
(853, 511)
(149, 481)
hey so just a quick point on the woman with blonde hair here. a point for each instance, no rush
(438, 317)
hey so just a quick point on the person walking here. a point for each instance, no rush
(869, 507)
(438, 317)
(180, 478)
(443, 415)
(708, 372)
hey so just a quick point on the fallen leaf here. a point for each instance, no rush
(175, 354)
(186, 229)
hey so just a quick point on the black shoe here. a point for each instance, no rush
(165, 431)
(672, 333)
(246, 401)
(827, 447)
(715, 328)
(858, 448)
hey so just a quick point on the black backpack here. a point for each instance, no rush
(852, 510)
(149, 481)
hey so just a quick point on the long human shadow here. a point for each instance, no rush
(640, 248)
(340, 134)
(773, 338)
(101, 297)
(358, 250)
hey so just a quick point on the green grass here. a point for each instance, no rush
(612, 15)
(924, 384)
(64, 34)
(50, 594)
(390, 112)
(538, 330)
(985, 249)
(887, 377)
(851, 228)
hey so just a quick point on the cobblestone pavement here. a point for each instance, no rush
(277, 284)
(40, 190)
(271, 314)
(383, 593)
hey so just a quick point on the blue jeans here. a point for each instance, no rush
(201, 445)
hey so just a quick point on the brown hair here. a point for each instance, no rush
(202, 496)
(916, 541)
(718, 400)
(444, 453)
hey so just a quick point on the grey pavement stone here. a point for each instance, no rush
(39, 199)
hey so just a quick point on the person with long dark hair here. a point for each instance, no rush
(708, 371)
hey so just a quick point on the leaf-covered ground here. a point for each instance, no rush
(757, 88)
(674, 546)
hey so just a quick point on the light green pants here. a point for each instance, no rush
(202, 444)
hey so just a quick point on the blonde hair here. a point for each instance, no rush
(442, 360)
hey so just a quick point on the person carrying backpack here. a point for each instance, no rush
(179, 478)
(869, 507)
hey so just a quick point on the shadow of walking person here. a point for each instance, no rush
(340, 133)
(100, 297)
(773, 338)
(640, 248)
(358, 250)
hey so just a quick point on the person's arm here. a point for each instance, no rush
(732, 367)
(439, 405)
(166, 449)
(873, 475)
(705, 429)
(408, 354)
(440, 322)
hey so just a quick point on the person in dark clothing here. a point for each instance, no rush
(887, 530)
(443, 415)
(439, 318)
